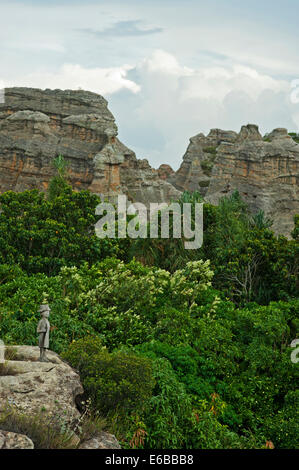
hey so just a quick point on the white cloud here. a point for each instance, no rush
(99, 80)
(160, 103)
(209, 82)
(162, 60)
(176, 102)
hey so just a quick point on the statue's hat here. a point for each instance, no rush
(43, 308)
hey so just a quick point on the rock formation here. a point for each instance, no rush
(195, 171)
(51, 389)
(265, 171)
(12, 440)
(106, 441)
(33, 386)
(165, 171)
(36, 126)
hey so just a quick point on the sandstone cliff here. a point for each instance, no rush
(265, 171)
(37, 125)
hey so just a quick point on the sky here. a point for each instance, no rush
(169, 69)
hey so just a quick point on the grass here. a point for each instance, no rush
(203, 184)
(46, 432)
(212, 150)
(207, 166)
(208, 163)
(91, 427)
(10, 353)
(42, 431)
(6, 369)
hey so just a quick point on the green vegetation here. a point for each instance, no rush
(204, 184)
(294, 136)
(211, 150)
(41, 235)
(207, 166)
(208, 163)
(50, 432)
(175, 348)
(249, 262)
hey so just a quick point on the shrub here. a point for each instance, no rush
(118, 381)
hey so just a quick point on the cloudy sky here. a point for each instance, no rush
(168, 68)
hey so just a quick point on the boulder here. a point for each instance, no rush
(12, 440)
(103, 441)
(34, 387)
(46, 389)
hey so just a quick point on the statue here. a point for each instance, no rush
(43, 329)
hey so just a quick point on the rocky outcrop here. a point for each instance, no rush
(32, 387)
(50, 390)
(165, 171)
(265, 171)
(12, 440)
(38, 125)
(195, 171)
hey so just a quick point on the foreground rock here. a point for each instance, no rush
(264, 171)
(11, 440)
(37, 125)
(103, 441)
(34, 387)
(49, 390)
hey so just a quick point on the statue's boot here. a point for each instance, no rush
(44, 357)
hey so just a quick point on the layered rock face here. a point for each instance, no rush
(38, 125)
(195, 171)
(265, 171)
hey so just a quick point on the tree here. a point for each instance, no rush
(42, 235)
(59, 182)
(167, 253)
